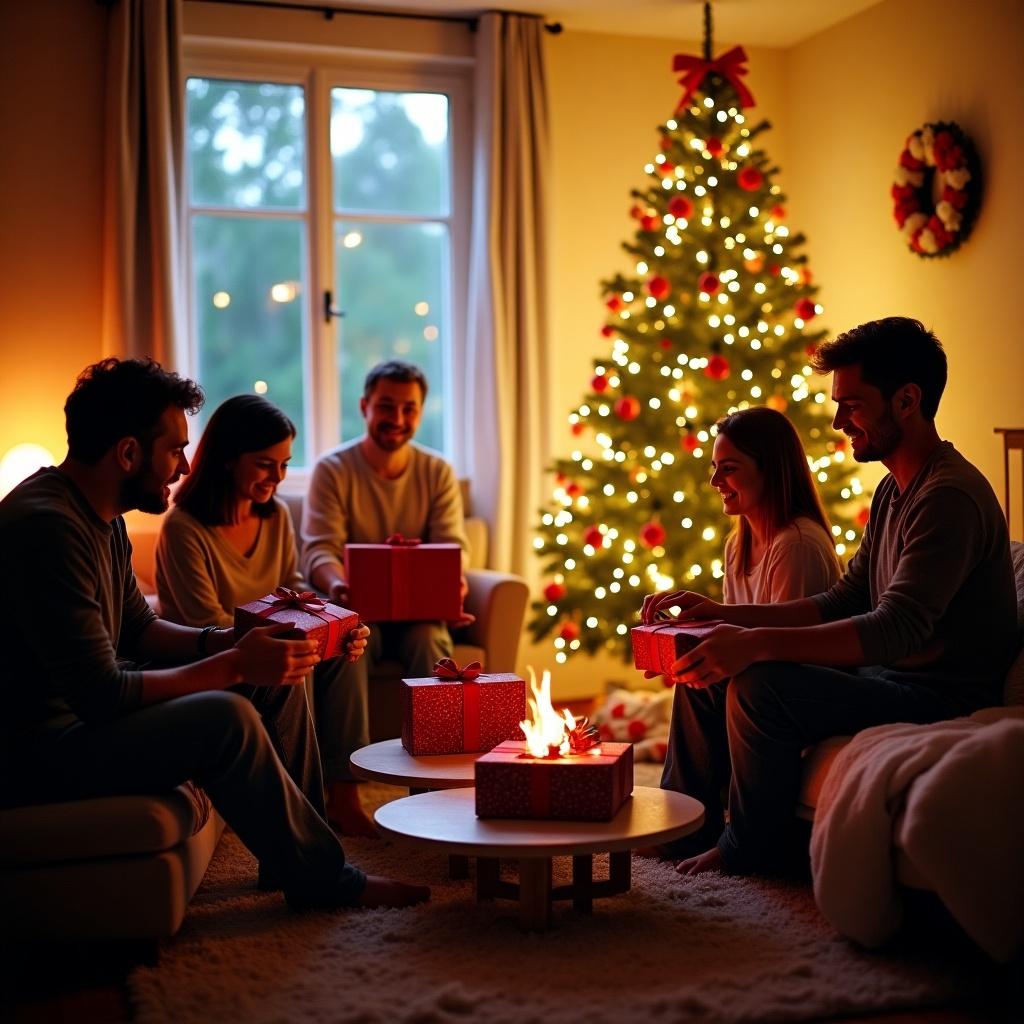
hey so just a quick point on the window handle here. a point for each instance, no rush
(330, 310)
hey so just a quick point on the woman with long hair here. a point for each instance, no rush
(229, 540)
(780, 549)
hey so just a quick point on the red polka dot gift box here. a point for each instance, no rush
(460, 710)
(310, 617)
(657, 646)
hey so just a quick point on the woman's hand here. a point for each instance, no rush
(355, 646)
(691, 606)
(727, 651)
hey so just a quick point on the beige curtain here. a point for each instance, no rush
(506, 433)
(143, 265)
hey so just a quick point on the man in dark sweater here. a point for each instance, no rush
(83, 719)
(920, 628)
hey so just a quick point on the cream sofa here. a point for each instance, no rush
(125, 868)
(818, 759)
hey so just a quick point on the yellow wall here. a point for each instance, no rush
(842, 102)
(854, 93)
(52, 55)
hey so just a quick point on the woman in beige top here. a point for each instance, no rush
(229, 540)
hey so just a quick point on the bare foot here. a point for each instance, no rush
(709, 860)
(345, 812)
(386, 892)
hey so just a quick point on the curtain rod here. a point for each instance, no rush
(469, 20)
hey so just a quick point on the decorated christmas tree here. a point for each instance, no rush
(717, 313)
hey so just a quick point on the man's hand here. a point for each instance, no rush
(338, 592)
(265, 660)
(727, 651)
(355, 646)
(464, 619)
(691, 606)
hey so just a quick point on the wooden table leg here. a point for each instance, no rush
(583, 884)
(619, 871)
(458, 866)
(535, 893)
(487, 873)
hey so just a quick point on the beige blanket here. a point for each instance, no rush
(950, 797)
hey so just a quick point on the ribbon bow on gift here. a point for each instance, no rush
(729, 65)
(583, 736)
(448, 668)
(305, 601)
(400, 541)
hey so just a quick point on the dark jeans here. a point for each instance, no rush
(748, 733)
(254, 753)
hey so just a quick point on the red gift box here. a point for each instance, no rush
(309, 616)
(657, 646)
(591, 786)
(462, 710)
(404, 580)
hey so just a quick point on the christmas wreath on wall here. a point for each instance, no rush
(937, 189)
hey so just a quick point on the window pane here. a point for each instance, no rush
(390, 151)
(391, 284)
(250, 323)
(246, 144)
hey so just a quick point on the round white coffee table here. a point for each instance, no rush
(388, 761)
(447, 820)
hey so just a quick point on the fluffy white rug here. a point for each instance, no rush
(712, 949)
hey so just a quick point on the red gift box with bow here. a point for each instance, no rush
(404, 580)
(461, 710)
(657, 646)
(310, 617)
(590, 786)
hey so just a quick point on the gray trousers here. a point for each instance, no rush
(748, 734)
(341, 689)
(253, 751)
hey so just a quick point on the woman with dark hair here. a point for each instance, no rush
(229, 540)
(779, 550)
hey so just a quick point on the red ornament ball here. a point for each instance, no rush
(574, 490)
(750, 179)
(810, 349)
(637, 730)
(607, 331)
(599, 383)
(594, 537)
(652, 534)
(636, 212)
(665, 142)
(717, 368)
(689, 442)
(680, 206)
(841, 444)
(554, 592)
(804, 308)
(569, 632)
(614, 303)
(664, 170)
(709, 283)
(577, 428)
(666, 343)
(776, 402)
(659, 287)
(775, 270)
(650, 223)
(778, 212)
(714, 146)
(863, 516)
(627, 408)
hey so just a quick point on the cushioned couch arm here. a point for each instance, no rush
(498, 600)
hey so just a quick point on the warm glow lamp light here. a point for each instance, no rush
(21, 461)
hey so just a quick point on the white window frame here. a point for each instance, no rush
(318, 69)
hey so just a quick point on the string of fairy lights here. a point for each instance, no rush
(701, 223)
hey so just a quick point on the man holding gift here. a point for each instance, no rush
(82, 721)
(363, 492)
(920, 628)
